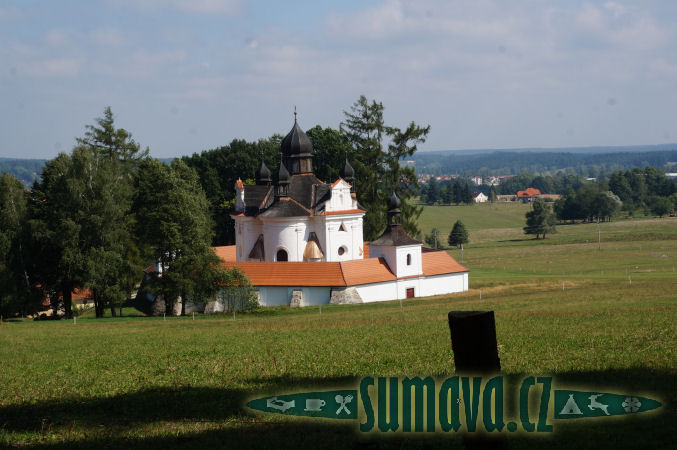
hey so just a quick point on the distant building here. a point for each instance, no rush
(528, 194)
(479, 197)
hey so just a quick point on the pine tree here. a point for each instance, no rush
(458, 192)
(492, 194)
(378, 169)
(467, 194)
(458, 235)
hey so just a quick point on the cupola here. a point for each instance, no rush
(263, 174)
(283, 181)
(297, 150)
(348, 174)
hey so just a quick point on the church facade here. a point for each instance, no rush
(300, 240)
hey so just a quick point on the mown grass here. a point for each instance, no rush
(179, 382)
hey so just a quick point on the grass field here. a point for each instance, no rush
(605, 319)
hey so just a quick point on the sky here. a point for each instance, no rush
(190, 75)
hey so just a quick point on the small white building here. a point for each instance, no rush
(480, 197)
(300, 240)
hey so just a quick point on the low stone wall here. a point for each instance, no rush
(345, 296)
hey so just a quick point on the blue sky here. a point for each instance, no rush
(189, 75)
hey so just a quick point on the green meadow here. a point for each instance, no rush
(600, 319)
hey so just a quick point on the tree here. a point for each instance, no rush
(448, 194)
(458, 192)
(378, 169)
(174, 221)
(458, 235)
(82, 217)
(605, 205)
(218, 171)
(16, 293)
(330, 151)
(432, 192)
(432, 239)
(467, 194)
(492, 194)
(110, 142)
(661, 206)
(540, 220)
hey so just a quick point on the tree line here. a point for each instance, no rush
(449, 192)
(596, 165)
(95, 219)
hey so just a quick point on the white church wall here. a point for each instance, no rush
(377, 292)
(408, 283)
(389, 253)
(351, 239)
(340, 199)
(285, 234)
(247, 231)
(402, 269)
(443, 284)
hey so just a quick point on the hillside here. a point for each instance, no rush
(514, 162)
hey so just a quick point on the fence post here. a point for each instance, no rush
(473, 341)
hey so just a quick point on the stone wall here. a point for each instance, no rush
(345, 296)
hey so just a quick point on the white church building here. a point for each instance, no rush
(300, 240)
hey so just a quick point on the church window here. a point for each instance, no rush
(342, 250)
(342, 228)
(281, 255)
(409, 259)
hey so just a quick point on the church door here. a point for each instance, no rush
(410, 292)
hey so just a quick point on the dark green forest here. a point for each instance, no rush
(542, 163)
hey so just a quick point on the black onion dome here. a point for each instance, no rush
(263, 173)
(283, 176)
(348, 173)
(394, 202)
(296, 142)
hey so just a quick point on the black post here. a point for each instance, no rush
(473, 341)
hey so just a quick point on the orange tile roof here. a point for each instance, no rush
(292, 273)
(528, 192)
(226, 252)
(365, 271)
(346, 273)
(440, 262)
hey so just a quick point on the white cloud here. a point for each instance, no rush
(227, 7)
(52, 67)
(108, 36)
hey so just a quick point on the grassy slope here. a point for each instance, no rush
(179, 382)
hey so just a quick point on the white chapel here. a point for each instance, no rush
(300, 240)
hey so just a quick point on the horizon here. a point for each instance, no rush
(582, 149)
(184, 76)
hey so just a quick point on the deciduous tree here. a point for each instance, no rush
(540, 220)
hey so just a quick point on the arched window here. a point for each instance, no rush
(409, 259)
(342, 250)
(281, 255)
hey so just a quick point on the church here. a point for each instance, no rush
(300, 240)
